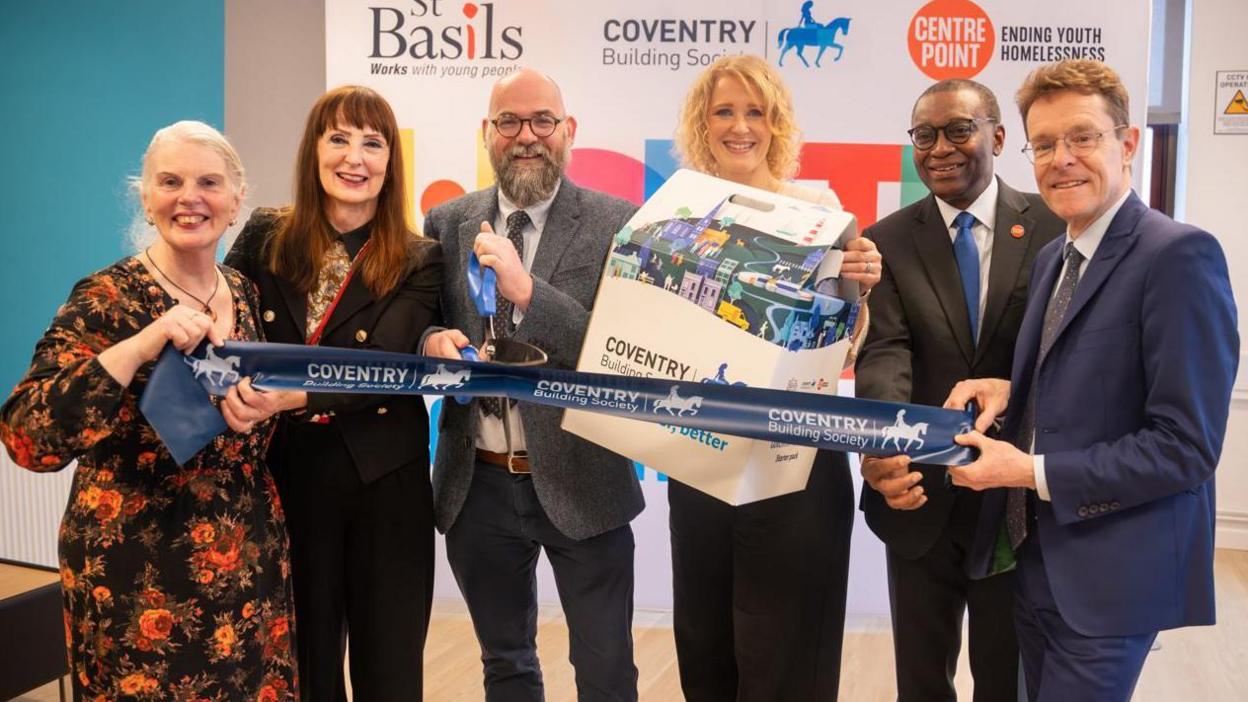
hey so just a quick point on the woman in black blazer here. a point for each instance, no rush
(340, 268)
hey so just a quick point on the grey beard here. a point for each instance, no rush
(526, 187)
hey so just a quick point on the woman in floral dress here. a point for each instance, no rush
(175, 578)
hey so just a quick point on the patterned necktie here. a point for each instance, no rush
(503, 325)
(967, 255)
(1016, 501)
(516, 222)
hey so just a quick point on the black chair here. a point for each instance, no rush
(32, 649)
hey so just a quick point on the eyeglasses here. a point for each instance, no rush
(542, 126)
(1080, 143)
(957, 131)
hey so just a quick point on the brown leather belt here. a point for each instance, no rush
(518, 463)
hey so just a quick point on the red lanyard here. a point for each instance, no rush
(315, 338)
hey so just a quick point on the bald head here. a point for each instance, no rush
(529, 160)
(528, 88)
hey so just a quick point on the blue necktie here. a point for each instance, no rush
(967, 255)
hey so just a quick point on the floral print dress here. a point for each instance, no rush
(176, 580)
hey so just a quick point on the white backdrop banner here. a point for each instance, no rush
(855, 68)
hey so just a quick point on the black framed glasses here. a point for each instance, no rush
(510, 126)
(957, 131)
(1078, 143)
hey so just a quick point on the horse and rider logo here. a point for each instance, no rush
(900, 430)
(225, 368)
(443, 379)
(677, 406)
(721, 377)
(808, 32)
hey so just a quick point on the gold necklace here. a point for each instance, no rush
(216, 285)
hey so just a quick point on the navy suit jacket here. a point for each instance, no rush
(1131, 410)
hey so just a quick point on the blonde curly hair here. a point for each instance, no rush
(692, 142)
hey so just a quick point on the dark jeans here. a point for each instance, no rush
(493, 548)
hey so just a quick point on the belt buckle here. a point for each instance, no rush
(512, 457)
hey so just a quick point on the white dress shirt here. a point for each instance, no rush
(490, 434)
(984, 209)
(1086, 244)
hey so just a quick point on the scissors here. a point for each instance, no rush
(482, 288)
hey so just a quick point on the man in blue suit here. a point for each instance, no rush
(1117, 406)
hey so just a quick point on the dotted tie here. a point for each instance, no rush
(503, 325)
(516, 222)
(967, 255)
(1016, 500)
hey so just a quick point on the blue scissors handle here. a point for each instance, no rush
(482, 286)
(468, 353)
(483, 289)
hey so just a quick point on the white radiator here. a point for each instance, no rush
(31, 505)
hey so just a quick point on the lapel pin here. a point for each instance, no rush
(1017, 231)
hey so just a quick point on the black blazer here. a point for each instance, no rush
(382, 432)
(919, 344)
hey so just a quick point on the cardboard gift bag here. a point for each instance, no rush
(716, 282)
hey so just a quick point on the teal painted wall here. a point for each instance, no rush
(85, 84)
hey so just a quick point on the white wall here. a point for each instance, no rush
(1216, 184)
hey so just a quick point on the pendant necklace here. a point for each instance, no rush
(207, 308)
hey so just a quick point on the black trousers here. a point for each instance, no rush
(759, 590)
(493, 548)
(928, 596)
(362, 560)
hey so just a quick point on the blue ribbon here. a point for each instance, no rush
(177, 405)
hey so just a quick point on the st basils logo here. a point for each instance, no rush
(427, 31)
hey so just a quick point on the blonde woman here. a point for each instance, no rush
(759, 590)
(175, 578)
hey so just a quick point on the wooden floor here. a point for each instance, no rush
(1204, 664)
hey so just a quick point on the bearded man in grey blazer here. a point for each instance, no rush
(503, 493)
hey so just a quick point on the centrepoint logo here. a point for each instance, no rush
(951, 39)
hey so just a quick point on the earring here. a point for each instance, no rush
(233, 221)
(151, 222)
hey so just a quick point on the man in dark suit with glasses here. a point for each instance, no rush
(956, 268)
(1116, 409)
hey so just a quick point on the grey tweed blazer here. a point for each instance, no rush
(585, 489)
